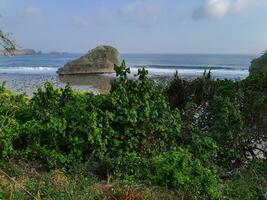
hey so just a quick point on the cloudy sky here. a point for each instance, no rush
(138, 26)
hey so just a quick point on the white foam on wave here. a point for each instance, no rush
(28, 70)
(223, 73)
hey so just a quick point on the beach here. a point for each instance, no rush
(29, 83)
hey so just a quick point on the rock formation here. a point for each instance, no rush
(98, 60)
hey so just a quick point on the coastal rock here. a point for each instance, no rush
(259, 65)
(99, 60)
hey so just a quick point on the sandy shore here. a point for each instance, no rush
(96, 83)
(29, 83)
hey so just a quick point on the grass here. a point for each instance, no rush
(23, 181)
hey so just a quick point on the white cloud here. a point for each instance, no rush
(244, 6)
(142, 12)
(215, 9)
(31, 11)
(80, 22)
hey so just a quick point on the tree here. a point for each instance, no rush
(5, 41)
(259, 65)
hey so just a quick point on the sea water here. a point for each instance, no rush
(222, 66)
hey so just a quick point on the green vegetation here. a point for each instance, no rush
(259, 65)
(201, 139)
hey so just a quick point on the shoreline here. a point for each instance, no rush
(29, 83)
(96, 83)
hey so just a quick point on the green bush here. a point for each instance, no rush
(173, 138)
(255, 111)
(9, 105)
(138, 117)
(249, 183)
(60, 126)
(225, 126)
(196, 141)
(176, 169)
(259, 65)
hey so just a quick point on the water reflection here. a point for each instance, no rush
(100, 82)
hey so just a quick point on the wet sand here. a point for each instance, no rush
(95, 83)
(29, 83)
(98, 82)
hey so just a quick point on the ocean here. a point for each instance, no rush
(222, 66)
(24, 74)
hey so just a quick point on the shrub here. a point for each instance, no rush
(134, 133)
(9, 105)
(259, 65)
(137, 116)
(225, 126)
(249, 183)
(178, 92)
(255, 112)
(60, 126)
(176, 169)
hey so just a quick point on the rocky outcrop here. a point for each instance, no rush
(97, 61)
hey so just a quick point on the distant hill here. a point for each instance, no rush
(21, 52)
(58, 53)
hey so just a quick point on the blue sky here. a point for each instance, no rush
(138, 26)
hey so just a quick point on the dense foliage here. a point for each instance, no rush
(259, 65)
(204, 138)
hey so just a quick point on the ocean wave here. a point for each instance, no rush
(197, 67)
(153, 71)
(221, 73)
(28, 70)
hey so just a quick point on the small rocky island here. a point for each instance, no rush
(98, 60)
